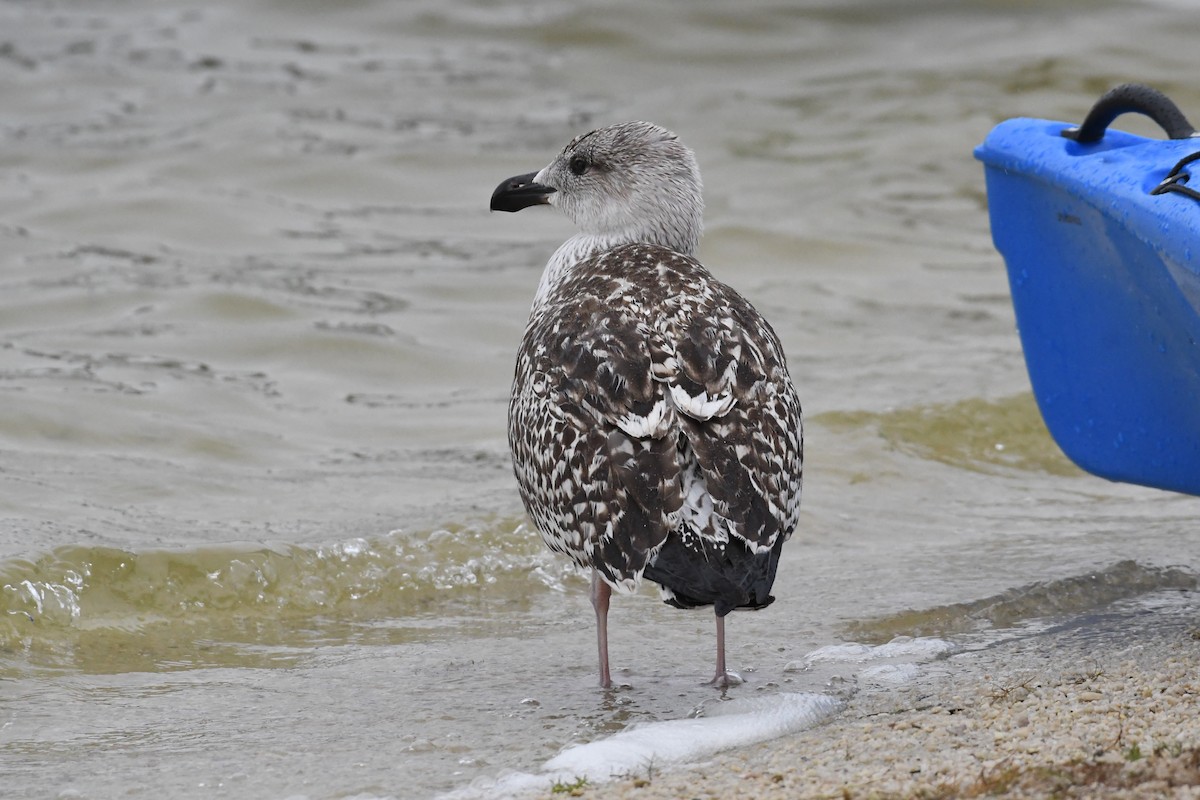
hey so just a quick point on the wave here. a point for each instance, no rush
(1043, 600)
(269, 593)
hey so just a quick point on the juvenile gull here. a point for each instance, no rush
(653, 426)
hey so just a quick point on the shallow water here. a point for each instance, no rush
(258, 532)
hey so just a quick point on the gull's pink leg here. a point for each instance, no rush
(724, 678)
(601, 592)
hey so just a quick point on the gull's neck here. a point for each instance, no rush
(573, 251)
(582, 246)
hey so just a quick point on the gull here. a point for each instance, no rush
(655, 431)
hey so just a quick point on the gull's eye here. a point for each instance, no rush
(578, 165)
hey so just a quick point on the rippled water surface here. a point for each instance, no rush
(258, 531)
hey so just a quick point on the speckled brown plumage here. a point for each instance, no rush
(637, 374)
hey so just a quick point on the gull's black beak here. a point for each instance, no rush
(520, 192)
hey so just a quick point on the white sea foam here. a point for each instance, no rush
(890, 674)
(902, 647)
(640, 748)
(732, 724)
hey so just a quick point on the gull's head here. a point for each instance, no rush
(632, 182)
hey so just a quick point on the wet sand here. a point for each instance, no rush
(1046, 715)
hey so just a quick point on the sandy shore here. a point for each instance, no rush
(1110, 708)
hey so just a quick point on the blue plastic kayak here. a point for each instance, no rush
(1100, 232)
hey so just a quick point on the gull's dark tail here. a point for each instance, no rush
(699, 572)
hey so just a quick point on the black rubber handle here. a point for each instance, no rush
(1131, 97)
